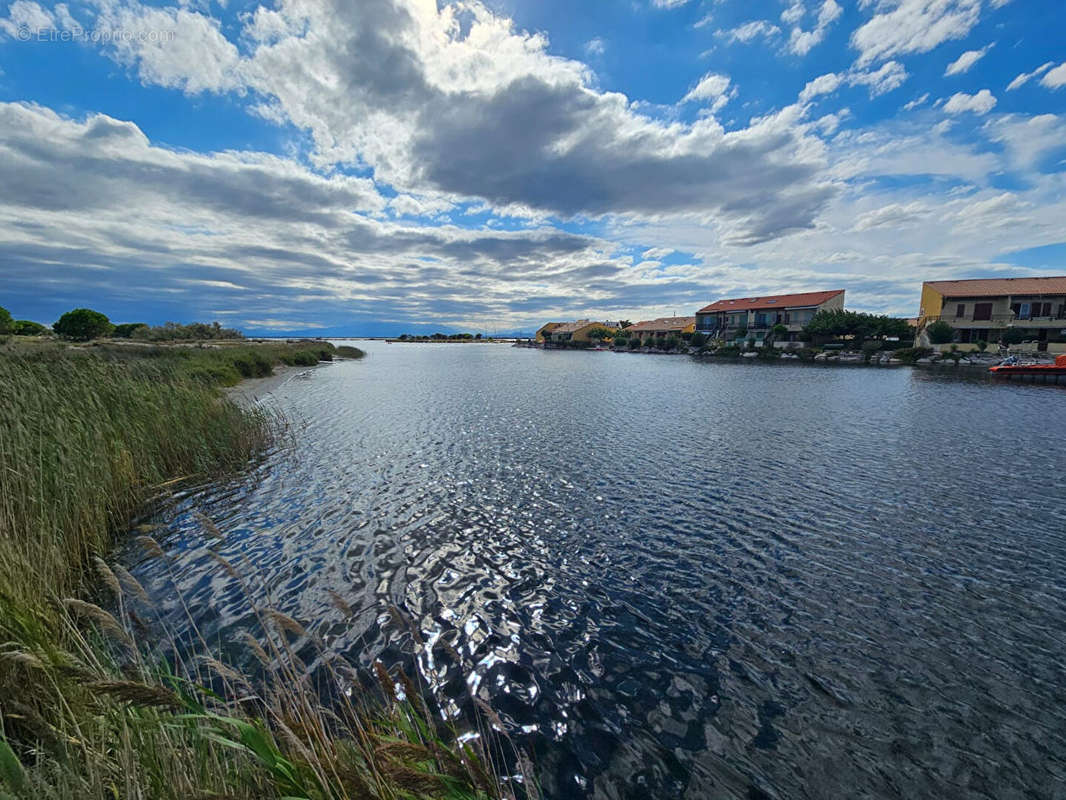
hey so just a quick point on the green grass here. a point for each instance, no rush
(87, 436)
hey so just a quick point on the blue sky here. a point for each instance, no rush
(406, 165)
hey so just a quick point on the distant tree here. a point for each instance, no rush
(625, 324)
(126, 329)
(477, 336)
(599, 334)
(940, 332)
(83, 324)
(7, 325)
(672, 342)
(697, 340)
(25, 327)
(855, 324)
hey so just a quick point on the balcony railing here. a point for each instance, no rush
(1002, 320)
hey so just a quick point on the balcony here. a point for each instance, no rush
(1002, 321)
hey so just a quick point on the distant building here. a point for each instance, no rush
(579, 331)
(753, 317)
(546, 329)
(664, 326)
(983, 309)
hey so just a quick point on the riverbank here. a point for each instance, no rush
(97, 700)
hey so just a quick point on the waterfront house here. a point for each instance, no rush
(754, 317)
(984, 309)
(546, 329)
(662, 327)
(579, 331)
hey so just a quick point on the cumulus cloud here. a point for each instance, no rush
(1025, 77)
(963, 63)
(913, 26)
(961, 103)
(596, 47)
(409, 88)
(250, 226)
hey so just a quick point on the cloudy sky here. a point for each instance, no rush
(379, 166)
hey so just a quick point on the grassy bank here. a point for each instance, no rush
(87, 435)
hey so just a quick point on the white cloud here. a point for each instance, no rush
(961, 103)
(596, 47)
(963, 63)
(913, 26)
(1055, 78)
(748, 31)
(918, 101)
(802, 42)
(668, 3)
(24, 15)
(1025, 77)
(716, 88)
(173, 47)
(884, 79)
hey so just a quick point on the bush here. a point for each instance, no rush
(768, 354)
(634, 343)
(83, 324)
(172, 331)
(698, 340)
(7, 325)
(347, 351)
(1014, 336)
(25, 327)
(807, 353)
(940, 332)
(728, 351)
(909, 355)
(127, 329)
(672, 343)
(869, 348)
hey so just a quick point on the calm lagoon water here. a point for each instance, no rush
(676, 579)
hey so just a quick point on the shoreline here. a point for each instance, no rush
(253, 390)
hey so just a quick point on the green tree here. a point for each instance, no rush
(1014, 336)
(127, 329)
(940, 332)
(83, 324)
(25, 327)
(698, 340)
(672, 342)
(7, 325)
(600, 333)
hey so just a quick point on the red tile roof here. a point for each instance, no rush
(662, 324)
(996, 287)
(802, 300)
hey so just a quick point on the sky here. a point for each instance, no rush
(373, 167)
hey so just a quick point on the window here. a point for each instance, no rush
(960, 311)
(982, 311)
(1045, 310)
(1062, 311)
(1022, 310)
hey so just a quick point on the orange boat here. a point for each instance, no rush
(1053, 373)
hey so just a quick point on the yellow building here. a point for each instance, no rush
(982, 309)
(546, 329)
(579, 331)
(664, 326)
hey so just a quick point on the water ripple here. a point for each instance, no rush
(673, 579)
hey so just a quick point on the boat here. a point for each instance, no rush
(1039, 373)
